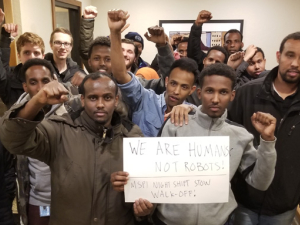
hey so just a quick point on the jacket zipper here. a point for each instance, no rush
(292, 128)
(97, 143)
(104, 133)
(211, 124)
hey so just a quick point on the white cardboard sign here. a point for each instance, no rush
(177, 169)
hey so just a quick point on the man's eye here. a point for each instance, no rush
(107, 59)
(107, 97)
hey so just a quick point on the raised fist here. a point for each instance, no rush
(157, 35)
(235, 59)
(90, 12)
(11, 28)
(117, 19)
(176, 38)
(52, 93)
(265, 124)
(203, 17)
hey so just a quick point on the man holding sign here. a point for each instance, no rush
(216, 84)
(82, 149)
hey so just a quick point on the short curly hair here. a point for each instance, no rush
(219, 69)
(101, 40)
(36, 62)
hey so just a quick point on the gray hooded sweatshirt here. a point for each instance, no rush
(242, 156)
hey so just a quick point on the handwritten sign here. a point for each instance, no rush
(177, 169)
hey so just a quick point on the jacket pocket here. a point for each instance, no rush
(152, 124)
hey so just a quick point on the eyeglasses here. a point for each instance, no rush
(59, 44)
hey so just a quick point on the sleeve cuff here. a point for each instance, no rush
(164, 50)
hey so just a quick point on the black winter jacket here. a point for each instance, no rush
(7, 186)
(10, 82)
(284, 192)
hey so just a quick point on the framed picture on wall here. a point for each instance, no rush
(213, 31)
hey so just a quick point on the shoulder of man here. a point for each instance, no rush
(66, 118)
(129, 129)
(250, 87)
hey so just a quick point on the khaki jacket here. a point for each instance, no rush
(82, 155)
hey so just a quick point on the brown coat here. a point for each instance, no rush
(81, 158)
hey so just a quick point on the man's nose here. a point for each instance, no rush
(215, 98)
(296, 62)
(100, 103)
(177, 90)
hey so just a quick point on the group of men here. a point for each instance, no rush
(67, 128)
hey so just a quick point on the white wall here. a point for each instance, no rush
(266, 22)
(36, 17)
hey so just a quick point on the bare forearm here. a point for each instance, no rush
(117, 59)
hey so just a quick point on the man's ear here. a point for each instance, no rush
(89, 62)
(242, 45)
(199, 93)
(166, 81)
(278, 56)
(25, 87)
(193, 89)
(82, 100)
(117, 101)
(204, 60)
(232, 95)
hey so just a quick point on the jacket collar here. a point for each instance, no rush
(266, 90)
(267, 84)
(207, 122)
(99, 130)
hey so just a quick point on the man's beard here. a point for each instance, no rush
(286, 79)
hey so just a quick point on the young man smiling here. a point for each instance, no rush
(66, 70)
